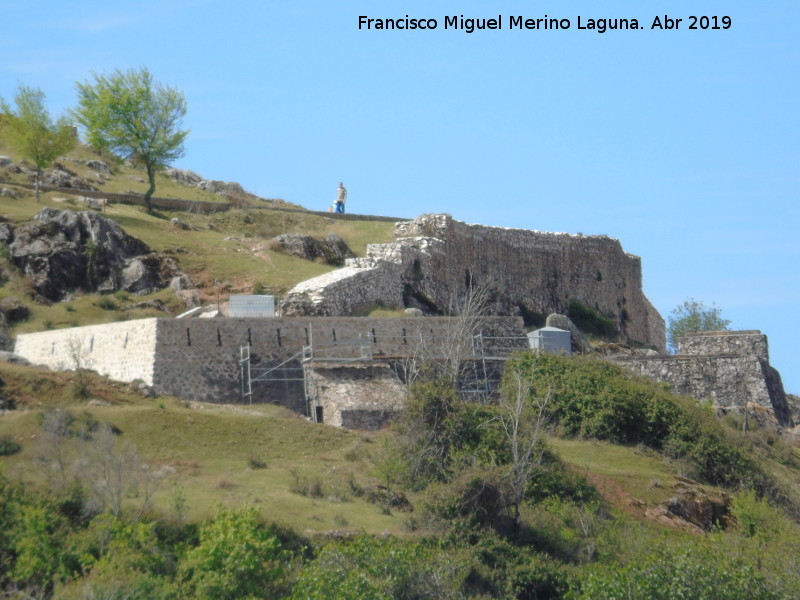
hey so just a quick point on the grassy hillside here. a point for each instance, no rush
(223, 253)
(351, 514)
(588, 526)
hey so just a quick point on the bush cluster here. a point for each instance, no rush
(594, 399)
(590, 321)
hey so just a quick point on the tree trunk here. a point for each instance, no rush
(151, 176)
(37, 181)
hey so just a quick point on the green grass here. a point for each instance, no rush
(642, 473)
(208, 451)
(223, 253)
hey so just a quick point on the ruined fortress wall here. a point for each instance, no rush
(435, 257)
(727, 380)
(725, 342)
(123, 351)
(349, 289)
(730, 380)
(543, 271)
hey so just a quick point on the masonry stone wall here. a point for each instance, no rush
(200, 359)
(725, 342)
(435, 257)
(729, 368)
(123, 351)
(357, 397)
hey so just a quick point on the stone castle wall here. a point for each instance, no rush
(731, 369)
(199, 359)
(436, 256)
(725, 342)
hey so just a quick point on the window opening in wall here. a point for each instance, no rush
(308, 341)
(405, 339)
(249, 337)
(188, 337)
(219, 338)
(374, 337)
(318, 416)
(280, 344)
(334, 334)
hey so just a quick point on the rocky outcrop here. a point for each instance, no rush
(226, 189)
(99, 166)
(64, 178)
(692, 508)
(63, 251)
(331, 250)
(436, 257)
(184, 176)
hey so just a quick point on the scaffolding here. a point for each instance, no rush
(480, 361)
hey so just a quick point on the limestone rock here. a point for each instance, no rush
(184, 176)
(146, 274)
(184, 289)
(61, 251)
(793, 402)
(65, 179)
(332, 250)
(99, 166)
(6, 233)
(221, 188)
(181, 282)
(95, 203)
(5, 161)
(579, 342)
(7, 193)
(155, 304)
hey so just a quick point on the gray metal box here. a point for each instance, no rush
(551, 339)
(251, 305)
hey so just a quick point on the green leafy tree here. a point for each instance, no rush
(238, 557)
(692, 316)
(130, 114)
(31, 131)
(41, 559)
(366, 568)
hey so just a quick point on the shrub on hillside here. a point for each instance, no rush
(590, 321)
(595, 399)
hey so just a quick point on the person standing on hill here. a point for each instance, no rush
(341, 198)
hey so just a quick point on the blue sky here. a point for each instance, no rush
(681, 143)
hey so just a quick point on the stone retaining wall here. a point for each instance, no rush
(728, 368)
(199, 359)
(725, 342)
(124, 351)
